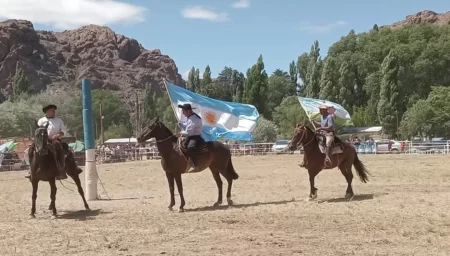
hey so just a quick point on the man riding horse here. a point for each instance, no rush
(192, 132)
(326, 128)
(56, 129)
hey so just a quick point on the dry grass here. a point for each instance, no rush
(403, 210)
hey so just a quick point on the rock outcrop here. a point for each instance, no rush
(424, 17)
(59, 60)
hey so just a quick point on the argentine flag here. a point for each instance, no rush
(311, 107)
(224, 119)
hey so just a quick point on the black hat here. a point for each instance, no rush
(50, 106)
(185, 106)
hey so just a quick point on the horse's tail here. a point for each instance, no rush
(232, 171)
(361, 169)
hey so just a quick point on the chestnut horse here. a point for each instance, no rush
(303, 135)
(217, 158)
(44, 168)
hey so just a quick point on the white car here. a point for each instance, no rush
(382, 146)
(281, 146)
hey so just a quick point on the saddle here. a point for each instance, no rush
(201, 148)
(337, 146)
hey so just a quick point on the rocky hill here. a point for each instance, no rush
(424, 17)
(59, 60)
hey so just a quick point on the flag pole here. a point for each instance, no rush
(173, 108)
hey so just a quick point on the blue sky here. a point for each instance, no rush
(218, 33)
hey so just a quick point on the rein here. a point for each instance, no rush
(301, 139)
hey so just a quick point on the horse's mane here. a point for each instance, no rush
(167, 131)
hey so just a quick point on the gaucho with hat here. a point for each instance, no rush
(191, 129)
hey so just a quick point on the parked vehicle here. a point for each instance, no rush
(280, 146)
(383, 146)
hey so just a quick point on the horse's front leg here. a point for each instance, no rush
(76, 179)
(179, 182)
(53, 189)
(35, 184)
(313, 190)
(171, 180)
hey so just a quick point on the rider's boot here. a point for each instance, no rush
(304, 162)
(327, 157)
(61, 165)
(194, 167)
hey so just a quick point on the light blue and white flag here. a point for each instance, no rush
(311, 107)
(224, 119)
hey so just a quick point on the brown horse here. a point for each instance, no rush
(344, 156)
(44, 168)
(217, 158)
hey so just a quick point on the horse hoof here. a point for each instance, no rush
(349, 197)
(54, 217)
(32, 216)
(180, 210)
(218, 203)
(313, 197)
(230, 202)
(170, 208)
(88, 209)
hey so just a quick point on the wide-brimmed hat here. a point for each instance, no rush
(185, 106)
(50, 106)
(323, 107)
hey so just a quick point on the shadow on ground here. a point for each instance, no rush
(357, 198)
(82, 215)
(224, 207)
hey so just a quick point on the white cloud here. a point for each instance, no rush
(320, 28)
(202, 13)
(241, 4)
(66, 14)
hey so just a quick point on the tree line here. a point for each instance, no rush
(397, 78)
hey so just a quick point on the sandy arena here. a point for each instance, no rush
(403, 210)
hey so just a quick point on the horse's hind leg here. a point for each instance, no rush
(77, 181)
(219, 183)
(230, 184)
(179, 182)
(53, 190)
(346, 170)
(35, 184)
(171, 181)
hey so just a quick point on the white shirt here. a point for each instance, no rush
(193, 126)
(56, 125)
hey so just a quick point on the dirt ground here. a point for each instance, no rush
(403, 210)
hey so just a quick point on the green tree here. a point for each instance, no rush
(197, 81)
(21, 85)
(279, 87)
(287, 115)
(255, 91)
(329, 80)
(191, 83)
(293, 74)
(265, 131)
(149, 105)
(388, 110)
(117, 131)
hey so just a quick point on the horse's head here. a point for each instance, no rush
(41, 139)
(301, 135)
(150, 131)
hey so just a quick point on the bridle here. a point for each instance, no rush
(159, 141)
(44, 149)
(304, 132)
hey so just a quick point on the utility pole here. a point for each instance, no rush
(102, 137)
(137, 115)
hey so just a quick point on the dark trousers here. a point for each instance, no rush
(61, 148)
(192, 145)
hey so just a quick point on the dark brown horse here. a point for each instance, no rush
(44, 168)
(217, 158)
(344, 156)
